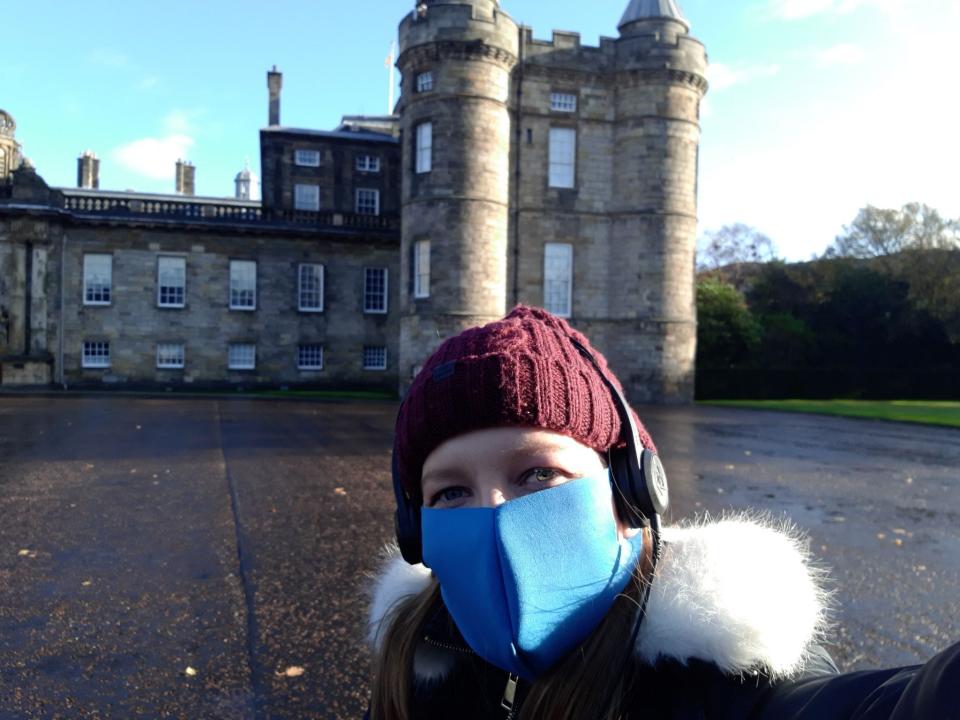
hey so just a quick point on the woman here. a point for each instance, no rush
(535, 582)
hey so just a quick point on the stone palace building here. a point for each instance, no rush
(514, 170)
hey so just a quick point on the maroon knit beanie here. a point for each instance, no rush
(520, 371)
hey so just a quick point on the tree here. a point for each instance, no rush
(734, 244)
(881, 232)
(727, 333)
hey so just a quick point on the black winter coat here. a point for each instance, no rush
(700, 691)
(732, 632)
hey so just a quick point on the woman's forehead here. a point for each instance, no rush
(503, 443)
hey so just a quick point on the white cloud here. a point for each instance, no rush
(723, 76)
(154, 158)
(148, 82)
(842, 54)
(178, 121)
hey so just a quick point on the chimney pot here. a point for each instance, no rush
(88, 171)
(186, 178)
(274, 85)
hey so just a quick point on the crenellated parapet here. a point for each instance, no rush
(461, 23)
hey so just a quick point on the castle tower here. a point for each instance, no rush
(456, 59)
(10, 154)
(661, 79)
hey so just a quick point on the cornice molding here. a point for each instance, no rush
(462, 50)
(618, 77)
(645, 76)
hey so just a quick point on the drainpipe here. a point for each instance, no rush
(28, 301)
(63, 274)
(516, 171)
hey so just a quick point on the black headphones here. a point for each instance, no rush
(640, 483)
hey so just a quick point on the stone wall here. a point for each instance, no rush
(134, 324)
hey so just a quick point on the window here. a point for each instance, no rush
(306, 197)
(310, 288)
(421, 269)
(368, 201)
(563, 102)
(307, 158)
(97, 279)
(96, 354)
(424, 149)
(171, 281)
(368, 163)
(563, 153)
(310, 357)
(374, 357)
(558, 278)
(243, 285)
(375, 290)
(242, 356)
(170, 356)
(425, 81)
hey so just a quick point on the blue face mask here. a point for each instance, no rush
(527, 581)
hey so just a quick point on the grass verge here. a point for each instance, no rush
(928, 412)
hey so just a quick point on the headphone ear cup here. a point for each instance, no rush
(407, 527)
(630, 507)
(655, 481)
(640, 485)
(406, 521)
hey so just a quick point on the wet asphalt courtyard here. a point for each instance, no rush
(208, 558)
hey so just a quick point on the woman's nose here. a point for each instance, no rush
(494, 497)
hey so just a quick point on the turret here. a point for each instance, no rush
(246, 183)
(661, 79)
(10, 154)
(456, 60)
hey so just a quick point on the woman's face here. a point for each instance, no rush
(485, 468)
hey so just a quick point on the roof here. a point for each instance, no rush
(358, 135)
(651, 9)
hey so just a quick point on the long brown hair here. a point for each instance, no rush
(579, 687)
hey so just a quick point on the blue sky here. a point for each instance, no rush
(816, 107)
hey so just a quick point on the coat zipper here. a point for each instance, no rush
(448, 646)
(509, 695)
(508, 701)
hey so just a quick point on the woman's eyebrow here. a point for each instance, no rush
(443, 475)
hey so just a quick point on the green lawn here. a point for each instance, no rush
(918, 411)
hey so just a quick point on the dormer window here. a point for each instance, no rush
(563, 102)
(425, 81)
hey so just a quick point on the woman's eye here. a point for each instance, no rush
(542, 476)
(448, 496)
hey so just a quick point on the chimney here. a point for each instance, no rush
(186, 178)
(274, 84)
(88, 171)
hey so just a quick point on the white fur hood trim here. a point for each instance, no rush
(738, 592)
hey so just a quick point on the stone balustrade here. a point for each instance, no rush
(128, 205)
